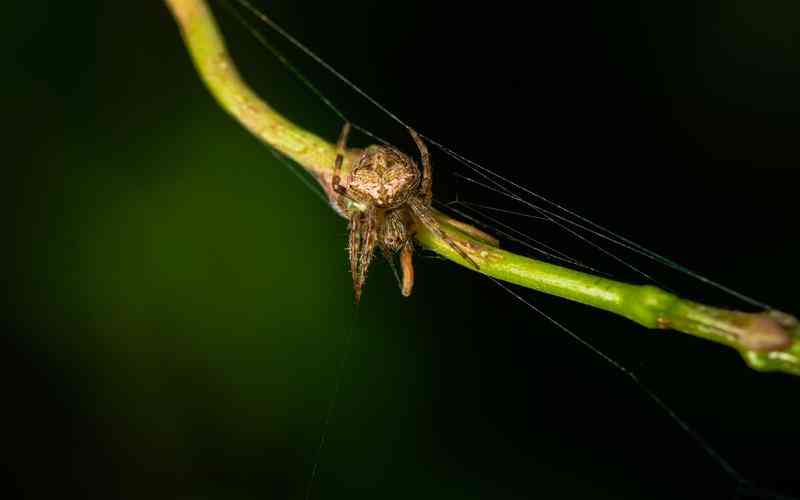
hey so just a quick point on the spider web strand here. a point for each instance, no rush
(508, 188)
(682, 424)
(599, 229)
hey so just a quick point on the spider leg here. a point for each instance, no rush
(407, 264)
(337, 166)
(336, 182)
(361, 246)
(354, 248)
(425, 216)
(427, 171)
(369, 237)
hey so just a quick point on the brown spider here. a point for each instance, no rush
(384, 200)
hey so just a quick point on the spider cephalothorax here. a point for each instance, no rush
(385, 198)
(383, 177)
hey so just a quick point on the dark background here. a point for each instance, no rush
(180, 303)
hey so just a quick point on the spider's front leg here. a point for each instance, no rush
(424, 214)
(422, 207)
(336, 181)
(363, 238)
(426, 185)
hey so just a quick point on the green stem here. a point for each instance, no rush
(768, 341)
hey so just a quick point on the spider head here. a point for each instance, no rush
(384, 177)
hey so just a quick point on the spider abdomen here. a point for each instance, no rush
(384, 177)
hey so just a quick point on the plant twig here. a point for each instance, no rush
(768, 341)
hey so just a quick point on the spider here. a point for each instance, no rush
(384, 200)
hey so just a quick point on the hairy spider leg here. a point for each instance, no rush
(422, 209)
(363, 237)
(425, 216)
(408, 268)
(336, 182)
(426, 185)
(369, 237)
(353, 250)
(363, 225)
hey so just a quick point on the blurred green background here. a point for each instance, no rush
(181, 304)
